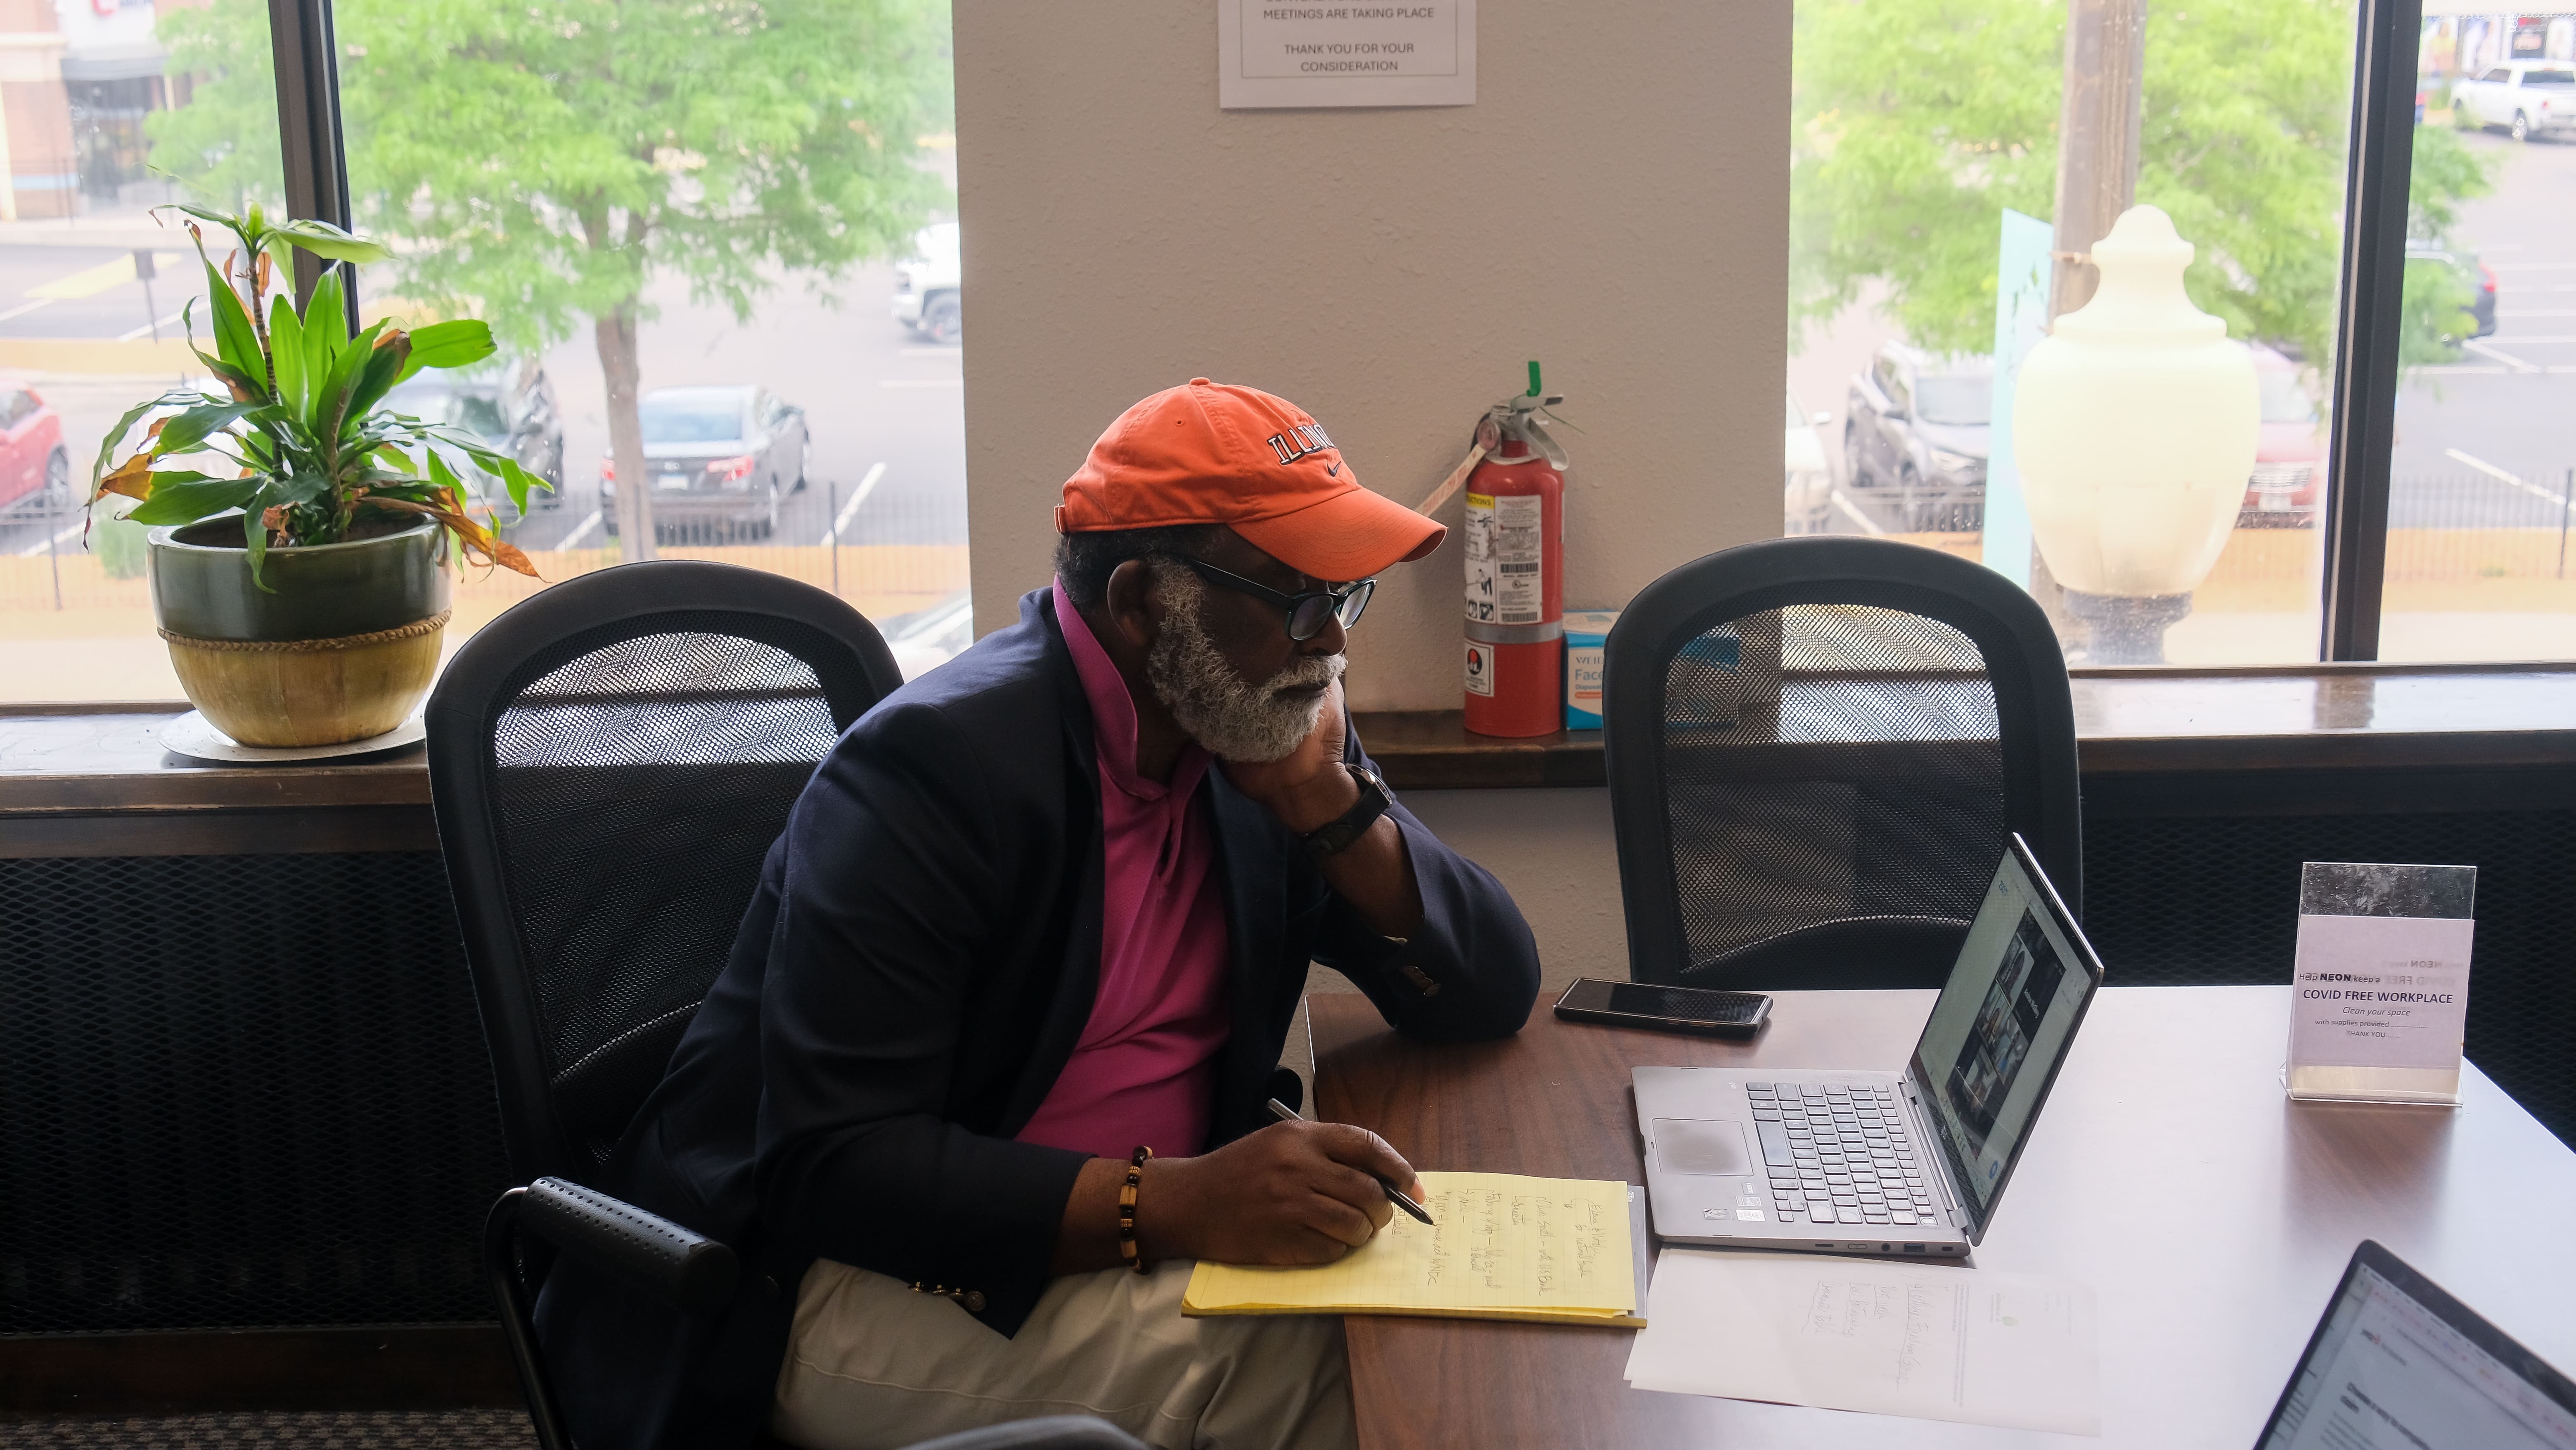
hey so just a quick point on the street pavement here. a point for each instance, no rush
(2485, 441)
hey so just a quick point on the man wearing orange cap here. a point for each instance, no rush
(986, 1072)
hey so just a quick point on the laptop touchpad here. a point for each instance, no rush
(1709, 1147)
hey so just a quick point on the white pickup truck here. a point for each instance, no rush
(2527, 98)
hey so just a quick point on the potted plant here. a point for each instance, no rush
(301, 533)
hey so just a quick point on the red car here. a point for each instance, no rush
(2288, 484)
(34, 469)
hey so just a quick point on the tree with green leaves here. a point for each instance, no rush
(1918, 121)
(537, 165)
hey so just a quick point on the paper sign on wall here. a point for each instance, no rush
(2380, 987)
(1273, 53)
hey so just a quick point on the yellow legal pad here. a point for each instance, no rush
(1505, 1247)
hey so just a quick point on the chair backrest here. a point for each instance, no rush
(1815, 749)
(610, 761)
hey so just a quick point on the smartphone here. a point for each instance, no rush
(1668, 1009)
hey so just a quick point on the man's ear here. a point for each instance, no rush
(1134, 608)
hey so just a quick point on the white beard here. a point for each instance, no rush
(1233, 719)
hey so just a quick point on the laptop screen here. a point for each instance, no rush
(2000, 1029)
(2398, 1363)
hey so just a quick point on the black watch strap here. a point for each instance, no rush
(1337, 835)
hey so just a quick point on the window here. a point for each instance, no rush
(1932, 141)
(1928, 235)
(110, 113)
(736, 256)
(732, 247)
(2483, 464)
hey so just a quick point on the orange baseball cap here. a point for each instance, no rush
(1215, 453)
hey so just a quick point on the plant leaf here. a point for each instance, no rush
(448, 345)
(186, 432)
(133, 479)
(184, 498)
(326, 321)
(255, 539)
(385, 363)
(235, 339)
(286, 345)
(325, 240)
(116, 435)
(331, 400)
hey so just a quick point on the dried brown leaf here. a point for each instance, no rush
(133, 478)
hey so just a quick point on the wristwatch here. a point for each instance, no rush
(1336, 835)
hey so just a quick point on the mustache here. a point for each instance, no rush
(1306, 673)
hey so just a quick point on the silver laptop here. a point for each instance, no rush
(1913, 1162)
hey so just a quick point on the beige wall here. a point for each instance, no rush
(1615, 204)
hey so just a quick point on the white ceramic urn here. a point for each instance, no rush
(2135, 424)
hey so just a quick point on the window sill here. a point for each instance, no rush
(92, 760)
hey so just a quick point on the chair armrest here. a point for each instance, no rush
(690, 1271)
(1055, 1432)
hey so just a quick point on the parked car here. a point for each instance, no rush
(928, 285)
(1914, 438)
(517, 417)
(1808, 476)
(2527, 98)
(2288, 483)
(2475, 276)
(722, 455)
(35, 471)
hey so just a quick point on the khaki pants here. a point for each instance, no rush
(873, 1365)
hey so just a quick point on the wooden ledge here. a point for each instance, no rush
(90, 762)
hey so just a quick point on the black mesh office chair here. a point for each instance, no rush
(1815, 749)
(610, 761)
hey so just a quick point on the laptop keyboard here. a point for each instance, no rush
(1840, 1154)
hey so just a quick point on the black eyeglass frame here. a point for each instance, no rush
(1346, 605)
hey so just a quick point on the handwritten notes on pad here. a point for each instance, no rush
(1934, 1342)
(1505, 1247)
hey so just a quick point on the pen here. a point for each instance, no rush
(1394, 1195)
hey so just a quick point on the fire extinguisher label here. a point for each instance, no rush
(1480, 669)
(1504, 552)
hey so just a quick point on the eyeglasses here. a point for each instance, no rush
(1307, 613)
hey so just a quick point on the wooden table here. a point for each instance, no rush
(2210, 1214)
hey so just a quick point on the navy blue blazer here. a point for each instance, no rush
(911, 977)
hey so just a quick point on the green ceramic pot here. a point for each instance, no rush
(341, 646)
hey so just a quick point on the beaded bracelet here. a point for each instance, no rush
(1127, 1209)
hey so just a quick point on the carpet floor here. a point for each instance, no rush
(494, 1429)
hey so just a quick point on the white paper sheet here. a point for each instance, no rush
(1885, 1338)
(2381, 991)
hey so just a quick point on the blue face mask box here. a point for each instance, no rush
(1586, 632)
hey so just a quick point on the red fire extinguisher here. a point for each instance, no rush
(1515, 551)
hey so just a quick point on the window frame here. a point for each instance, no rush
(2378, 177)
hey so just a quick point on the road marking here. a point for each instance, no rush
(924, 383)
(2489, 469)
(25, 308)
(2508, 359)
(1850, 511)
(42, 545)
(91, 281)
(577, 534)
(150, 329)
(841, 525)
